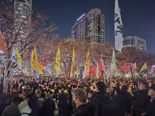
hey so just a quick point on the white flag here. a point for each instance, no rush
(13, 56)
(84, 72)
(118, 30)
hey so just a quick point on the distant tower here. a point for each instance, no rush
(89, 27)
(22, 19)
(118, 28)
(95, 26)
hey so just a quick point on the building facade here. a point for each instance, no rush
(134, 42)
(90, 27)
(79, 28)
(22, 18)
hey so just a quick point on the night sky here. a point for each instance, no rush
(138, 16)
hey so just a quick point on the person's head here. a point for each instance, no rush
(151, 91)
(48, 96)
(100, 87)
(38, 93)
(124, 88)
(16, 99)
(90, 93)
(143, 85)
(79, 97)
(109, 89)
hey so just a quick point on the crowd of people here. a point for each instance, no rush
(77, 97)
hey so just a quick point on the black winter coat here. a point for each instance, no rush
(49, 107)
(87, 109)
(151, 109)
(141, 102)
(101, 102)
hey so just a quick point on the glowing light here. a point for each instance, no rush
(80, 17)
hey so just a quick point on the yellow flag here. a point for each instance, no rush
(144, 67)
(87, 62)
(35, 65)
(39, 68)
(19, 58)
(73, 63)
(58, 58)
(32, 60)
(35, 55)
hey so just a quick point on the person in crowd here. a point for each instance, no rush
(49, 105)
(90, 95)
(141, 99)
(64, 103)
(12, 109)
(41, 100)
(99, 99)
(33, 103)
(5, 85)
(82, 107)
(62, 97)
(123, 100)
(24, 108)
(151, 107)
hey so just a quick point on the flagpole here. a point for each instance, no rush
(131, 71)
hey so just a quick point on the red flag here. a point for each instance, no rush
(43, 63)
(2, 70)
(101, 67)
(125, 67)
(43, 71)
(92, 70)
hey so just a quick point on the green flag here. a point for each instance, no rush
(113, 62)
(144, 67)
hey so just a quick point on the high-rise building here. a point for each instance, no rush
(22, 18)
(134, 42)
(79, 28)
(90, 27)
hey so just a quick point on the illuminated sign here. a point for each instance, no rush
(80, 17)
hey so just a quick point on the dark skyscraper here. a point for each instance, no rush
(90, 27)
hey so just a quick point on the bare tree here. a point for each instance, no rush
(41, 28)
